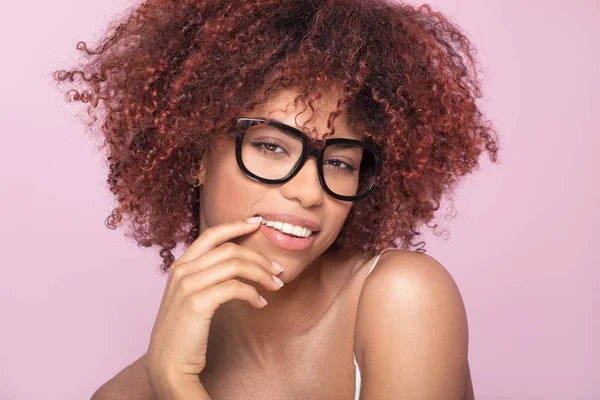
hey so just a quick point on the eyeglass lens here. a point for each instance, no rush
(271, 153)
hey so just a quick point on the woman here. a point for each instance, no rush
(338, 126)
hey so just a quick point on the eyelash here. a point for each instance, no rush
(259, 145)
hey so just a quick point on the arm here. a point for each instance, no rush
(132, 384)
(469, 395)
(411, 331)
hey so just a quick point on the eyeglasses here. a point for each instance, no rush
(272, 152)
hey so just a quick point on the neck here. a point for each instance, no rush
(241, 330)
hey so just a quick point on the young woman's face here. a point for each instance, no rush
(228, 194)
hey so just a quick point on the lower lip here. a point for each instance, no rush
(285, 241)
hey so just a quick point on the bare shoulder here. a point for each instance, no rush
(402, 272)
(401, 281)
(131, 383)
(411, 334)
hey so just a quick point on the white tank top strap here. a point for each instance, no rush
(357, 379)
(377, 259)
(357, 374)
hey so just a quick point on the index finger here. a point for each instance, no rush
(214, 236)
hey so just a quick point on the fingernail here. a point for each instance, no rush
(263, 300)
(253, 220)
(277, 280)
(277, 266)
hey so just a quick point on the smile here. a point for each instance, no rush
(292, 230)
(287, 241)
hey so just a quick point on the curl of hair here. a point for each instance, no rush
(168, 77)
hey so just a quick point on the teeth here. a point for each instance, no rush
(288, 228)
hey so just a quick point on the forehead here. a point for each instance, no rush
(280, 106)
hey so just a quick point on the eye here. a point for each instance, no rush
(268, 147)
(340, 165)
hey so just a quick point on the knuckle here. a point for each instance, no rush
(233, 285)
(267, 274)
(263, 262)
(266, 266)
(229, 248)
(253, 292)
(208, 232)
(236, 263)
(176, 272)
(263, 258)
(234, 268)
(186, 285)
(198, 303)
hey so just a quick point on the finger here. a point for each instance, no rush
(222, 253)
(207, 301)
(232, 268)
(216, 235)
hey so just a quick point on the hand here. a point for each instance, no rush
(198, 282)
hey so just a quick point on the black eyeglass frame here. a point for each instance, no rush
(310, 148)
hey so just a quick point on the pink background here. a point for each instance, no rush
(79, 300)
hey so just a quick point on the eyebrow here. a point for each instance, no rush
(302, 133)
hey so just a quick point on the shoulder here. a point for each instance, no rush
(399, 270)
(411, 323)
(131, 383)
(403, 283)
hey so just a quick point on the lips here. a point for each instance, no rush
(289, 234)
(285, 241)
(296, 220)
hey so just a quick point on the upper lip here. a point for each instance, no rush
(292, 219)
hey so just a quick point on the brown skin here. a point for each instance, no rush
(300, 345)
(263, 331)
(201, 280)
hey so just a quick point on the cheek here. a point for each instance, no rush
(337, 214)
(221, 200)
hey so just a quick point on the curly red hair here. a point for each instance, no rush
(171, 75)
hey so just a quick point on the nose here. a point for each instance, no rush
(305, 185)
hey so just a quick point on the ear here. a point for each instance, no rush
(200, 172)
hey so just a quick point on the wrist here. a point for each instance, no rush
(181, 388)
